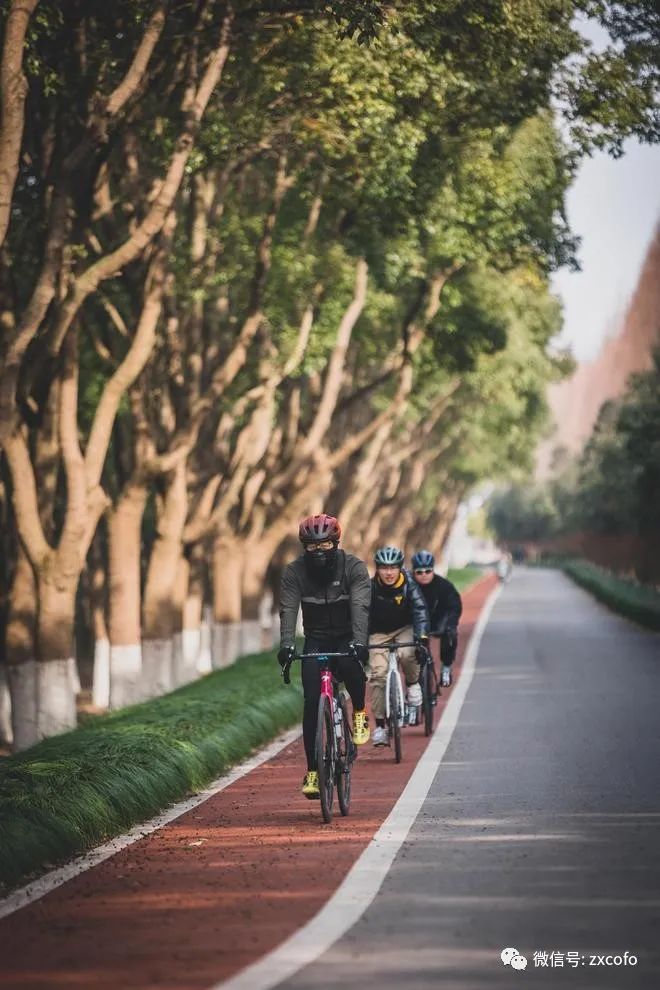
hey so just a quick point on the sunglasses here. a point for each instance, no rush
(423, 570)
(323, 545)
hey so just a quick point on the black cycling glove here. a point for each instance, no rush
(285, 655)
(359, 651)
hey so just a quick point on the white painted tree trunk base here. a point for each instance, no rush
(101, 674)
(74, 676)
(266, 622)
(23, 690)
(204, 659)
(56, 699)
(185, 650)
(6, 730)
(250, 636)
(125, 675)
(157, 667)
(178, 677)
(226, 643)
(190, 646)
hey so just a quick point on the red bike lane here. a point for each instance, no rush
(216, 889)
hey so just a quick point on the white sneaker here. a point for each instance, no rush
(379, 736)
(445, 677)
(414, 695)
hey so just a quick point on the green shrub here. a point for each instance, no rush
(638, 602)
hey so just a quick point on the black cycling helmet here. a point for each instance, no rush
(388, 557)
(423, 558)
(316, 529)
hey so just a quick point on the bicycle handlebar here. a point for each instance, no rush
(312, 656)
(390, 646)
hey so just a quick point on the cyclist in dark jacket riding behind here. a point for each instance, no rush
(334, 590)
(444, 605)
(398, 612)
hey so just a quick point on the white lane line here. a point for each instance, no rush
(362, 883)
(39, 888)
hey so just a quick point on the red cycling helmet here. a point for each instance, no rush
(315, 529)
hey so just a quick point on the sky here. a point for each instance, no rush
(614, 206)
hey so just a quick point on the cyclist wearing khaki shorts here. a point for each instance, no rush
(398, 612)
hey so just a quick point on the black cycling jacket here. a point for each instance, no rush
(401, 605)
(335, 606)
(443, 602)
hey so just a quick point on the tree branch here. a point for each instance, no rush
(129, 369)
(152, 224)
(138, 67)
(333, 376)
(24, 499)
(13, 93)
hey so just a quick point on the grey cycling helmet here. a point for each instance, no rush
(421, 559)
(388, 557)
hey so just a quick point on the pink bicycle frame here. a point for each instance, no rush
(326, 683)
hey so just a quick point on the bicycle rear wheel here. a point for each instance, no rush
(428, 688)
(325, 757)
(394, 728)
(345, 757)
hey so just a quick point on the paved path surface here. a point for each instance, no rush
(214, 890)
(542, 828)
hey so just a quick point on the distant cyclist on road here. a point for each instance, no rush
(334, 590)
(398, 612)
(444, 605)
(504, 567)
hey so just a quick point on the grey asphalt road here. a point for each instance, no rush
(541, 830)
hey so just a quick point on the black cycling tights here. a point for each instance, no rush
(346, 670)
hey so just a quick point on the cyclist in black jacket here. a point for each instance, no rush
(398, 612)
(334, 590)
(444, 605)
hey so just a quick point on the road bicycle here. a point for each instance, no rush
(397, 710)
(334, 748)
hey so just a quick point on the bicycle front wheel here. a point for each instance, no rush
(345, 757)
(325, 757)
(396, 713)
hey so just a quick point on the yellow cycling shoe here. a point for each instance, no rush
(361, 730)
(310, 787)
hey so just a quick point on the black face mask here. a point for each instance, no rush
(320, 563)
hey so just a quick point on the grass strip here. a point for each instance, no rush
(638, 602)
(463, 577)
(75, 791)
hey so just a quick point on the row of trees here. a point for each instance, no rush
(262, 258)
(611, 490)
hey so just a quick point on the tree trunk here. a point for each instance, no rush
(124, 544)
(56, 699)
(186, 647)
(98, 605)
(195, 634)
(227, 601)
(159, 613)
(21, 653)
(255, 567)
